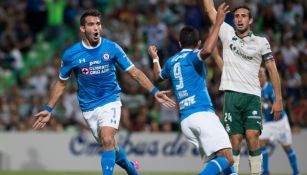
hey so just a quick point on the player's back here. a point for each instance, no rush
(188, 76)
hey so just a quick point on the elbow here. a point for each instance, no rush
(206, 52)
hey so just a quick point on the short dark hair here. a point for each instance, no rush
(189, 37)
(244, 7)
(89, 12)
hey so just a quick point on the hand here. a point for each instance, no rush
(222, 10)
(42, 118)
(153, 52)
(164, 100)
(277, 109)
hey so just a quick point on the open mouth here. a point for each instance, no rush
(96, 36)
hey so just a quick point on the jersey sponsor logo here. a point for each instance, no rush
(85, 71)
(234, 49)
(187, 102)
(106, 56)
(254, 115)
(95, 62)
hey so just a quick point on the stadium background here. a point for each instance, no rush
(34, 34)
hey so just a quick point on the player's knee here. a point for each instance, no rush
(227, 153)
(107, 141)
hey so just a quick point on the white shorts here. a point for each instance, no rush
(205, 131)
(277, 130)
(107, 115)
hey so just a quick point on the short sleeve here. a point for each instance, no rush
(66, 68)
(122, 59)
(225, 31)
(165, 72)
(266, 52)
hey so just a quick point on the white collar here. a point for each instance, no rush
(90, 47)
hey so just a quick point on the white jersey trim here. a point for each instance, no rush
(62, 78)
(129, 67)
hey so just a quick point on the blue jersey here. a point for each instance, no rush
(95, 72)
(188, 76)
(268, 98)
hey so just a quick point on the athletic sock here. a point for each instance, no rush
(230, 171)
(293, 161)
(215, 166)
(236, 158)
(265, 160)
(108, 162)
(255, 161)
(123, 162)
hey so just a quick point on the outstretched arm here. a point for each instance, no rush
(160, 96)
(210, 42)
(44, 116)
(210, 9)
(277, 106)
(153, 53)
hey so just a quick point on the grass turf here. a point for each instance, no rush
(87, 173)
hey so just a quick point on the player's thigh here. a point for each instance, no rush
(209, 132)
(107, 115)
(231, 117)
(267, 131)
(188, 130)
(284, 135)
(252, 113)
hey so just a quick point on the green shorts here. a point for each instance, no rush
(241, 112)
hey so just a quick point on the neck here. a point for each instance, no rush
(244, 33)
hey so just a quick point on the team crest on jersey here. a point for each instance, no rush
(85, 71)
(106, 56)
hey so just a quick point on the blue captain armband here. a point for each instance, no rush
(154, 91)
(48, 108)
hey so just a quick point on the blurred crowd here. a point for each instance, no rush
(34, 34)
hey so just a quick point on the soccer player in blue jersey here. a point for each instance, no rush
(93, 62)
(274, 130)
(198, 120)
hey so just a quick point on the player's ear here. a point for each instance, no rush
(82, 28)
(198, 44)
(251, 20)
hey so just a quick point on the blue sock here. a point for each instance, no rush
(265, 160)
(123, 162)
(230, 171)
(293, 161)
(215, 166)
(108, 162)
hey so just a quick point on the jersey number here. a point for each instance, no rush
(178, 75)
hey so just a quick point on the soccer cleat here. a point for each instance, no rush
(136, 165)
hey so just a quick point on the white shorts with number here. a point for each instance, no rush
(205, 131)
(106, 115)
(277, 130)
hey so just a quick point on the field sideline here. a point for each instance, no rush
(88, 173)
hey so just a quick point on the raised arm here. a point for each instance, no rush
(210, 9)
(160, 96)
(210, 42)
(44, 116)
(153, 53)
(277, 106)
(217, 58)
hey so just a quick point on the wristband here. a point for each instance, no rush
(155, 60)
(48, 108)
(154, 91)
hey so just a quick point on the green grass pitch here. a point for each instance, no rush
(88, 173)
